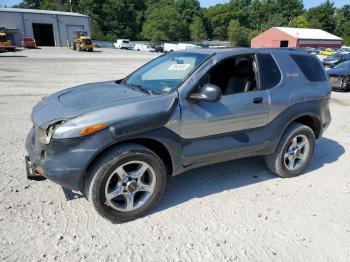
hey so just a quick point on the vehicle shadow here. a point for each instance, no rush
(326, 151)
(209, 180)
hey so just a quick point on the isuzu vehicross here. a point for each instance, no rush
(117, 141)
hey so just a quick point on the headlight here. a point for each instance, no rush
(45, 135)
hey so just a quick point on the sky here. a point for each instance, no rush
(206, 3)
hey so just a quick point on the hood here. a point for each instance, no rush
(340, 72)
(83, 99)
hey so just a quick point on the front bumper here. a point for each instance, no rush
(64, 161)
(339, 82)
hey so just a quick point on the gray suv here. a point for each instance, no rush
(117, 141)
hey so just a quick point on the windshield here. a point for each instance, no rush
(343, 65)
(165, 73)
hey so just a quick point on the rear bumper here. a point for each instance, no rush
(64, 161)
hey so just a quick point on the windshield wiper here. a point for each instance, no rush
(139, 88)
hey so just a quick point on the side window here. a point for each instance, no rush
(310, 67)
(269, 75)
(233, 75)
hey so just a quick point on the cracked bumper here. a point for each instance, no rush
(64, 161)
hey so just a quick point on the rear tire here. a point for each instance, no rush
(293, 152)
(115, 189)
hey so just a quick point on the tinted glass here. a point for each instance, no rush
(270, 75)
(310, 67)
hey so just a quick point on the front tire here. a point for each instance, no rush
(293, 152)
(126, 183)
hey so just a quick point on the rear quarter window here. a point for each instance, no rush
(269, 73)
(310, 67)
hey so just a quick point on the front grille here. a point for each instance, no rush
(335, 81)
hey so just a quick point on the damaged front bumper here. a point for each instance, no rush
(63, 161)
(339, 82)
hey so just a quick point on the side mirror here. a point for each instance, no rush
(209, 93)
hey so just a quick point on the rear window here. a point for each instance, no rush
(310, 67)
(270, 75)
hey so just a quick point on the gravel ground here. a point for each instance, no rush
(235, 211)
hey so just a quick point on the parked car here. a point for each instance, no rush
(170, 47)
(143, 47)
(159, 49)
(122, 44)
(327, 52)
(335, 59)
(344, 51)
(28, 42)
(314, 51)
(117, 141)
(339, 76)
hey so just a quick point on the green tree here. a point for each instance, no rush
(218, 18)
(322, 16)
(274, 20)
(198, 31)
(189, 9)
(238, 35)
(299, 22)
(346, 34)
(121, 22)
(163, 24)
(290, 8)
(32, 4)
(343, 24)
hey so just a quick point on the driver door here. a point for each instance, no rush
(223, 126)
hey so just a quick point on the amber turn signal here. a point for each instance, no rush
(92, 129)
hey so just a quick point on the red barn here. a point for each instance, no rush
(296, 37)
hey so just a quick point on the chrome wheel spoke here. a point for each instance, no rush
(299, 156)
(121, 172)
(301, 144)
(146, 188)
(140, 171)
(129, 200)
(291, 162)
(116, 192)
(294, 142)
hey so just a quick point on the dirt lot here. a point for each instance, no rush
(236, 211)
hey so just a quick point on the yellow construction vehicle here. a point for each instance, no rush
(5, 42)
(82, 42)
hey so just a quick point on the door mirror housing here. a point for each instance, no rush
(209, 93)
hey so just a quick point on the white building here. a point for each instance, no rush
(48, 28)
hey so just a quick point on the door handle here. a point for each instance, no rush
(258, 100)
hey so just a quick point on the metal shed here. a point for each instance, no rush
(49, 28)
(296, 37)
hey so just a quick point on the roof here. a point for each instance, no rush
(36, 11)
(241, 50)
(308, 33)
